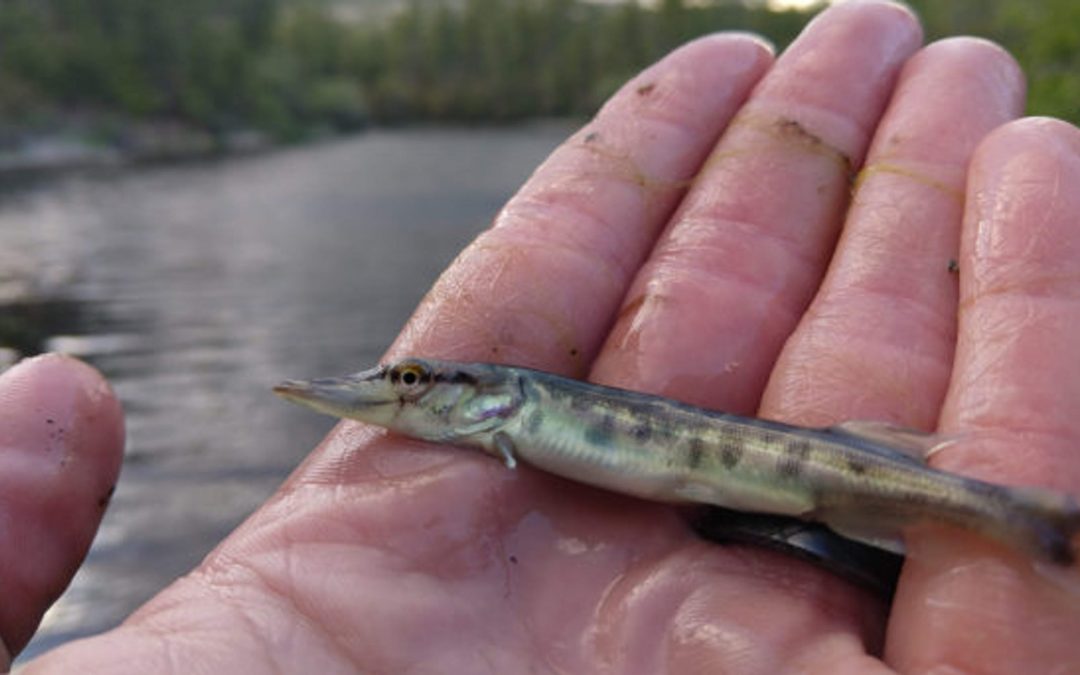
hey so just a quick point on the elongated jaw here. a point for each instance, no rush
(357, 396)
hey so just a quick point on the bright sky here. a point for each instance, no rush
(795, 4)
(771, 4)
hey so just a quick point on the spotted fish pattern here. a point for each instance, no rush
(867, 481)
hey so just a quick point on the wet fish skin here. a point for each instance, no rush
(860, 479)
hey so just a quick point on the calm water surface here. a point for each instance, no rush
(195, 288)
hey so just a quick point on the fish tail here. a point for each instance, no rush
(1045, 523)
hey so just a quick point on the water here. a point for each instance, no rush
(196, 287)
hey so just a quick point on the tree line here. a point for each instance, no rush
(287, 67)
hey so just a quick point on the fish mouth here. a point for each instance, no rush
(341, 396)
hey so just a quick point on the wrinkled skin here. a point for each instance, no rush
(767, 283)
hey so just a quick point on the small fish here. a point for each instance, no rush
(866, 481)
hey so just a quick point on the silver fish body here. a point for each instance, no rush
(859, 479)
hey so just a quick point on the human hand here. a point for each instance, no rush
(387, 555)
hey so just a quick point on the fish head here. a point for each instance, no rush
(431, 400)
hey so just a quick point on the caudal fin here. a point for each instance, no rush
(1047, 524)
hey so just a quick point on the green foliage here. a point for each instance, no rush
(291, 66)
(488, 60)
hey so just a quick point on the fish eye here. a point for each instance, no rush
(409, 376)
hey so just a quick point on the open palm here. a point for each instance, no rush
(702, 239)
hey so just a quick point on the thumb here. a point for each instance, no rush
(61, 443)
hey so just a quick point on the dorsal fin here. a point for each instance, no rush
(914, 443)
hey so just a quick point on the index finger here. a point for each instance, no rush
(541, 286)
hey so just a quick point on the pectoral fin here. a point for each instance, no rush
(505, 446)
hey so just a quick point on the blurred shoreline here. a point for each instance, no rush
(81, 145)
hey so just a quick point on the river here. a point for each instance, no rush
(195, 287)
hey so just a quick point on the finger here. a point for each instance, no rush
(724, 288)
(1016, 388)
(877, 341)
(61, 440)
(709, 311)
(540, 287)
